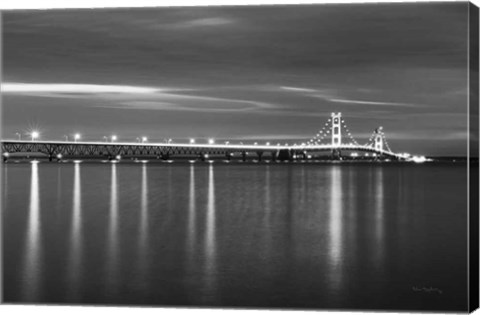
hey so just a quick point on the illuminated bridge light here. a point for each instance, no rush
(35, 135)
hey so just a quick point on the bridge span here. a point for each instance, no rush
(334, 138)
(62, 149)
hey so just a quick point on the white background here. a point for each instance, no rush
(45, 4)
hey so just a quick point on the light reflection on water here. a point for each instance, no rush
(112, 250)
(191, 228)
(210, 240)
(336, 228)
(33, 247)
(379, 218)
(143, 228)
(232, 235)
(76, 242)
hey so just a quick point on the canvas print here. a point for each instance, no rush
(317, 156)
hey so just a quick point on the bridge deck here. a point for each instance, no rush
(89, 148)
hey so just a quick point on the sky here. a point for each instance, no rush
(241, 73)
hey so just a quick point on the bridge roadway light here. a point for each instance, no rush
(211, 141)
(35, 135)
(114, 138)
(19, 135)
(77, 137)
(144, 139)
(192, 141)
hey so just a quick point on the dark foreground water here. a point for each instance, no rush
(368, 236)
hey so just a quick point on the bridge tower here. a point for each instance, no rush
(336, 129)
(379, 139)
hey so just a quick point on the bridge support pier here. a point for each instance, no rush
(228, 155)
(336, 154)
(201, 157)
(259, 154)
(244, 156)
(165, 156)
(50, 158)
(274, 156)
(285, 155)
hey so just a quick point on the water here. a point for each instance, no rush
(368, 236)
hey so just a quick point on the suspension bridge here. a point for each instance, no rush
(334, 137)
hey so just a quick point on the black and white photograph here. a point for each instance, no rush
(317, 156)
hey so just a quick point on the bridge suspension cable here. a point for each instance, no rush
(349, 134)
(386, 142)
(335, 132)
(378, 140)
(324, 135)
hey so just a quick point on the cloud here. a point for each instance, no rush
(215, 21)
(338, 96)
(136, 97)
(273, 137)
(35, 88)
(187, 25)
(430, 135)
(346, 101)
(240, 106)
(296, 89)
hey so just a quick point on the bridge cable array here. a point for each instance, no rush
(371, 140)
(349, 134)
(324, 136)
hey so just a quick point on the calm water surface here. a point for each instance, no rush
(369, 236)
